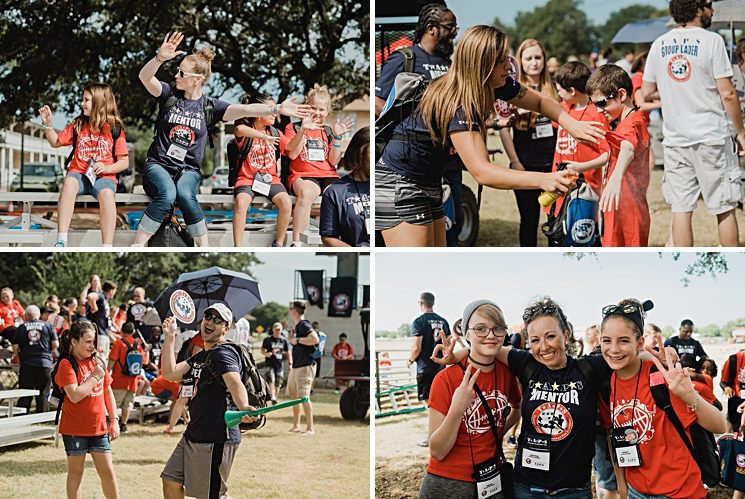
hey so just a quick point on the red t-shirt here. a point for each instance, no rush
(196, 341)
(636, 81)
(300, 166)
(342, 351)
(159, 384)
(658, 439)
(457, 464)
(568, 149)
(8, 314)
(96, 146)
(739, 377)
(629, 225)
(705, 391)
(708, 380)
(260, 159)
(119, 355)
(87, 418)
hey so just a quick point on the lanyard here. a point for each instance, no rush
(636, 391)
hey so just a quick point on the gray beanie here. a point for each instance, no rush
(471, 308)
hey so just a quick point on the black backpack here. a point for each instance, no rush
(732, 370)
(183, 353)
(256, 386)
(403, 100)
(237, 155)
(285, 170)
(131, 348)
(115, 135)
(409, 58)
(58, 394)
(207, 106)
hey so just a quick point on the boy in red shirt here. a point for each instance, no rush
(124, 386)
(623, 202)
(342, 351)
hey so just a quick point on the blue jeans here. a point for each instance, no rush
(85, 187)
(603, 466)
(522, 491)
(635, 494)
(158, 184)
(455, 179)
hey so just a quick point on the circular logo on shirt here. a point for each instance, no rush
(583, 230)
(182, 306)
(566, 145)
(138, 311)
(184, 133)
(312, 292)
(476, 418)
(552, 419)
(341, 302)
(679, 68)
(89, 148)
(740, 460)
(33, 335)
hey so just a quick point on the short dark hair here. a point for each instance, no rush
(573, 74)
(258, 98)
(430, 14)
(109, 285)
(299, 307)
(427, 298)
(128, 328)
(609, 79)
(686, 322)
(315, 323)
(684, 11)
(342, 335)
(689, 360)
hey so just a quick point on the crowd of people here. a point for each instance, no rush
(578, 401)
(172, 172)
(566, 121)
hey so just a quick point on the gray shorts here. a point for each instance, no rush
(400, 199)
(709, 169)
(208, 467)
(273, 375)
(436, 487)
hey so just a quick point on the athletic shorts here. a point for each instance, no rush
(399, 199)
(299, 381)
(124, 399)
(80, 446)
(733, 416)
(423, 384)
(202, 469)
(321, 182)
(274, 375)
(273, 191)
(436, 487)
(712, 170)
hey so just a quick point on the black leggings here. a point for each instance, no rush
(530, 211)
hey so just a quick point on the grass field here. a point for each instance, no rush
(270, 463)
(500, 220)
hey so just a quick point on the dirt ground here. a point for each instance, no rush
(500, 220)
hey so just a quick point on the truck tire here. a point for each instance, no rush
(469, 232)
(352, 405)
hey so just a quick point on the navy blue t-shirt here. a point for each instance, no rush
(34, 339)
(135, 314)
(423, 161)
(689, 346)
(560, 403)
(343, 211)
(101, 317)
(185, 120)
(431, 66)
(301, 353)
(425, 326)
(207, 406)
(278, 346)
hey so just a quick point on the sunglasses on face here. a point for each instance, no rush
(602, 103)
(181, 73)
(707, 5)
(216, 319)
(483, 331)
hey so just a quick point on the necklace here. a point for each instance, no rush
(470, 359)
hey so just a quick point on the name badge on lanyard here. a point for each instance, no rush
(488, 478)
(315, 150)
(543, 128)
(90, 173)
(187, 387)
(537, 451)
(179, 146)
(262, 183)
(625, 443)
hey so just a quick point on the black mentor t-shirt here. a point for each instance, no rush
(689, 346)
(343, 211)
(431, 66)
(135, 314)
(573, 446)
(422, 161)
(207, 406)
(101, 317)
(34, 339)
(185, 120)
(301, 353)
(425, 326)
(277, 346)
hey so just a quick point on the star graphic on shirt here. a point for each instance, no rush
(538, 384)
(572, 385)
(187, 113)
(555, 386)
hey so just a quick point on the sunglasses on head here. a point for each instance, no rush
(625, 309)
(531, 312)
(602, 103)
(181, 73)
(216, 319)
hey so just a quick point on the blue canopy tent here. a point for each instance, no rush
(645, 31)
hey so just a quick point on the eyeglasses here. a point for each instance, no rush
(483, 331)
(707, 5)
(626, 309)
(216, 319)
(452, 28)
(602, 103)
(181, 73)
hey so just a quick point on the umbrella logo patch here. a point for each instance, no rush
(182, 306)
(138, 311)
(312, 293)
(341, 302)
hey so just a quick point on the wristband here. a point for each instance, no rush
(495, 125)
(336, 145)
(156, 58)
(274, 109)
(337, 137)
(694, 406)
(46, 127)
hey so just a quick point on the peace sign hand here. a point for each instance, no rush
(446, 347)
(170, 43)
(464, 394)
(677, 378)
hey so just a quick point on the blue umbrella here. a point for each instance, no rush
(645, 31)
(239, 291)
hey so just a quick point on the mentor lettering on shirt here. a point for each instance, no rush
(554, 418)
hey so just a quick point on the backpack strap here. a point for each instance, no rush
(75, 368)
(74, 146)
(115, 136)
(661, 396)
(408, 54)
(732, 370)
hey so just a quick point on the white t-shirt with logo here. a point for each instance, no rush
(685, 63)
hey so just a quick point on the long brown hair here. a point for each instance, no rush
(103, 109)
(466, 84)
(527, 120)
(76, 332)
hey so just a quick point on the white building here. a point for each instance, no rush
(36, 149)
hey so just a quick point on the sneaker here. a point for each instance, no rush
(275, 245)
(274, 401)
(424, 443)
(511, 442)
(336, 391)
(122, 428)
(59, 243)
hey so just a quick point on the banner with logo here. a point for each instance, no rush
(312, 282)
(366, 296)
(343, 296)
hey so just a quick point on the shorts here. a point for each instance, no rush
(299, 381)
(273, 191)
(85, 187)
(321, 182)
(635, 494)
(423, 384)
(164, 395)
(523, 491)
(400, 199)
(712, 170)
(208, 467)
(733, 416)
(80, 446)
(604, 471)
(124, 399)
(274, 375)
(104, 345)
(435, 487)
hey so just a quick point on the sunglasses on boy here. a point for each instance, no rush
(602, 103)
(181, 73)
(216, 319)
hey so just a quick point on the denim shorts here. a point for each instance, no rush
(604, 471)
(85, 187)
(635, 494)
(523, 491)
(79, 446)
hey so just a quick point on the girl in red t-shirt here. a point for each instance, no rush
(83, 423)
(261, 161)
(667, 467)
(313, 156)
(460, 435)
(92, 169)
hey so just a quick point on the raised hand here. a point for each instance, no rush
(308, 124)
(464, 394)
(677, 377)
(170, 43)
(46, 115)
(289, 108)
(169, 327)
(98, 372)
(340, 128)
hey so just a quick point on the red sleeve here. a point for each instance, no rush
(335, 350)
(107, 379)
(285, 138)
(725, 372)
(705, 392)
(115, 352)
(351, 349)
(120, 148)
(19, 308)
(709, 381)
(605, 419)
(65, 375)
(65, 136)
